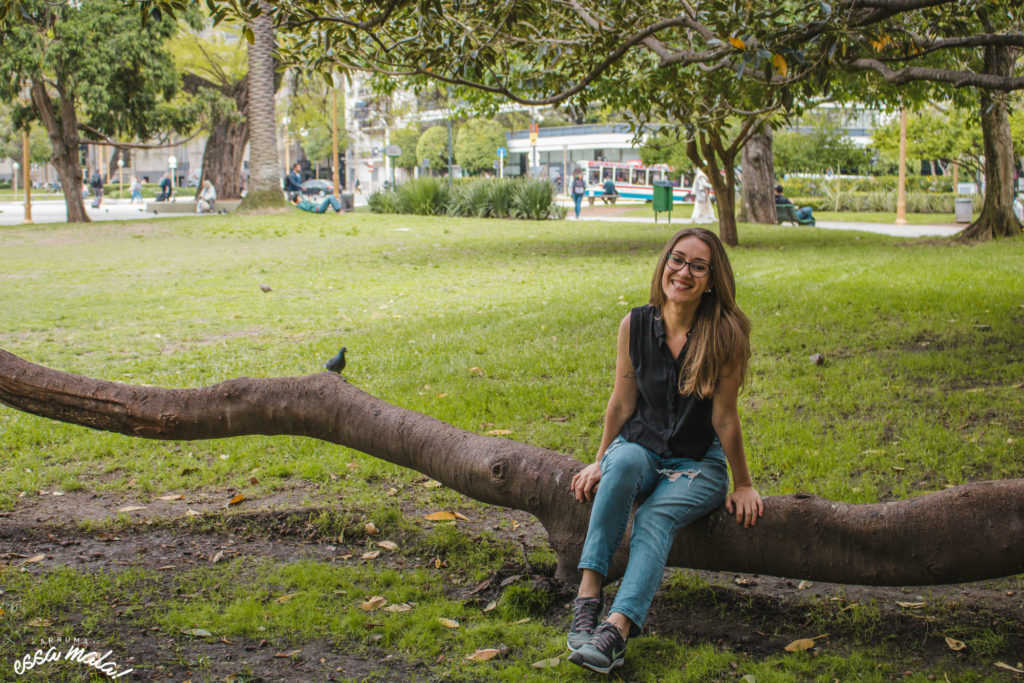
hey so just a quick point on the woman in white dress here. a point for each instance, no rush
(703, 212)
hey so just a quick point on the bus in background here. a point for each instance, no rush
(632, 180)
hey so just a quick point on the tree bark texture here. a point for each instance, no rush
(967, 533)
(996, 218)
(225, 149)
(62, 129)
(759, 177)
(264, 189)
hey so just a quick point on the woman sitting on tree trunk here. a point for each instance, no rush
(670, 428)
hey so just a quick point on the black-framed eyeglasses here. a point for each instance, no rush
(697, 268)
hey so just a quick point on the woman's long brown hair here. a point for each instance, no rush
(720, 335)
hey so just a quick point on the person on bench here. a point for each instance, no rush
(804, 214)
(609, 194)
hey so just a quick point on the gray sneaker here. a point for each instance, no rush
(585, 613)
(603, 652)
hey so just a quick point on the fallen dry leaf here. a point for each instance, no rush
(910, 605)
(372, 555)
(499, 432)
(447, 623)
(175, 496)
(198, 632)
(483, 655)
(34, 558)
(803, 643)
(440, 517)
(490, 606)
(1004, 665)
(39, 622)
(371, 529)
(131, 508)
(459, 515)
(402, 607)
(954, 644)
(547, 663)
(388, 545)
(218, 557)
(193, 513)
(521, 621)
(376, 602)
(238, 498)
(286, 598)
(287, 655)
(431, 484)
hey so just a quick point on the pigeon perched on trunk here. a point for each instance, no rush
(337, 364)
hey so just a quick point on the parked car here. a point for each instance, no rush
(317, 187)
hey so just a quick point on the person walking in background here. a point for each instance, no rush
(578, 189)
(703, 212)
(136, 189)
(96, 183)
(671, 436)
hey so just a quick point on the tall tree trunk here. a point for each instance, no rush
(707, 152)
(997, 218)
(967, 533)
(264, 189)
(63, 134)
(759, 177)
(225, 148)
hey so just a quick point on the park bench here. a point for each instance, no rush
(219, 206)
(786, 213)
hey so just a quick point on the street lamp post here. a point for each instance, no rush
(287, 153)
(172, 163)
(120, 178)
(27, 166)
(901, 186)
(14, 178)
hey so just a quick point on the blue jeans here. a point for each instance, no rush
(804, 213)
(331, 201)
(679, 491)
(577, 199)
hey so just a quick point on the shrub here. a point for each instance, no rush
(533, 199)
(471, 198)
(423, 196)
(500, 199)
(383, 202)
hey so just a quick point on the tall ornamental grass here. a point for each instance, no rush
(526, 198)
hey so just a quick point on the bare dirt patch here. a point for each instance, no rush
(753, 616)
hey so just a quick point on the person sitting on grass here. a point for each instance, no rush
(804, 214)
(317, 207)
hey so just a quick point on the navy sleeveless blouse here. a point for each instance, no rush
(665, 421)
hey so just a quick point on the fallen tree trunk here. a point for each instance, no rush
(967, 533)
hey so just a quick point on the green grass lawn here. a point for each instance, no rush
(491, 324)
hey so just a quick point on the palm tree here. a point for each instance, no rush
(264, 189)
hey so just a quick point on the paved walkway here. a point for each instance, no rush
(53, 211)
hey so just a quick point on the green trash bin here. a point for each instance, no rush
(662, 200)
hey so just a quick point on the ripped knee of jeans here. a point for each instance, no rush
(672, 475)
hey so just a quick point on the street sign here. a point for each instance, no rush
(426, 163)
(172, 162)
(502, 152)
(393, 151)
(534, 130)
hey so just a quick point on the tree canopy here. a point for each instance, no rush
(477, 143)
